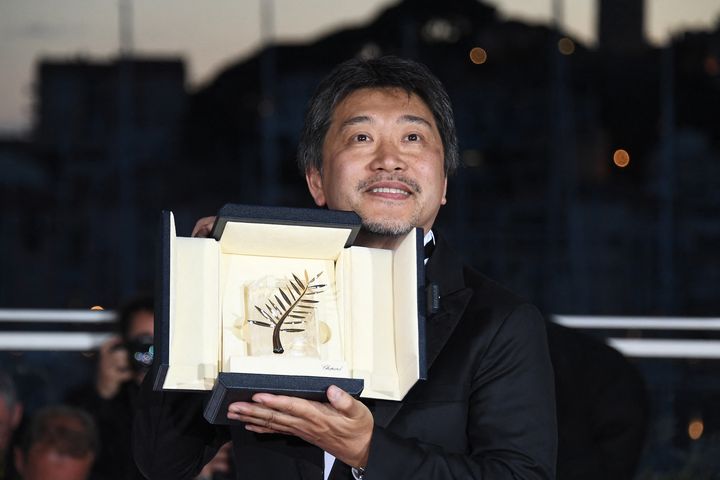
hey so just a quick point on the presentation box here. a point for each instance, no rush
(279, 300)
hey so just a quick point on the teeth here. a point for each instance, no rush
(389, 190)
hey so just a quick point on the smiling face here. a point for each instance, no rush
(383, 159)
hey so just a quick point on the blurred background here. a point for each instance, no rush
(589, 135)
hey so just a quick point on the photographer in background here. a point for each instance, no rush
(123, 361)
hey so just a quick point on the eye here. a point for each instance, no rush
(413, 137)
(361, 137)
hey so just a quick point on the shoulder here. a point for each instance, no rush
(497, 301)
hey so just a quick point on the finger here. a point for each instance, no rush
(124, 374)
(257, 429)
(203, 227)
(262, 417)
(119, 359)
(263, 424)
(292, 406)
(342, 401)
(110, 344)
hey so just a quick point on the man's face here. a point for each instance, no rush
(383, 159)
(142, 324)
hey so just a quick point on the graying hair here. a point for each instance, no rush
(384, 72)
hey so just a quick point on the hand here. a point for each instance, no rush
(113, 368)
(203, 227)
(219, 464)
(342, 428)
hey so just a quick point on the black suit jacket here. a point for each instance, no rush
(487, 410)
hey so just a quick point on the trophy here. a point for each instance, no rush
(286, 307)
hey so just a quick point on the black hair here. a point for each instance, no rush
(68, 430)
(383, 72)
(130, 309)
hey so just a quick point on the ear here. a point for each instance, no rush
(444, 197)
(315, 185)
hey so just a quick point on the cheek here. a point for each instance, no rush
(341, 180)
(436, 176)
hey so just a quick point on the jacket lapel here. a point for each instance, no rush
(445, 270)
(440, 326)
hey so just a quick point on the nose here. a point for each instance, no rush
(388, 157)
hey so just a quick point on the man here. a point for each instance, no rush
(10, 417)
(110, 399)
(123, 362)
(60, 444)
(379, 139)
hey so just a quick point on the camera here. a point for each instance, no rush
(140, 352)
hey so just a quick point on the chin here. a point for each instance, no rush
(387, 228)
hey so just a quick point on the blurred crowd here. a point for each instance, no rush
(89, 435)
(601, 408)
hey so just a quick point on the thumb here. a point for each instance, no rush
(340, 400)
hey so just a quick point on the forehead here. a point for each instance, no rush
(381, 101)
(142, 322)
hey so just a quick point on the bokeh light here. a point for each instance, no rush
(478, 55)
(566, 46)
(695, 429)
(621, 158)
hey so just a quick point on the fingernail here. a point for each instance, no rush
(333, 392)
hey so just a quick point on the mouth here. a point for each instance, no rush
(390, 190)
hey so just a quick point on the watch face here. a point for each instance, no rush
(358, 473)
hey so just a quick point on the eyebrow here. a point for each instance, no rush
(414, 119)
(403, 119)
(355, 120)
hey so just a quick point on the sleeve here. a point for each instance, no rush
(171, 438)
(511, 424)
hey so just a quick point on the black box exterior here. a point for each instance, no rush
(240, 387)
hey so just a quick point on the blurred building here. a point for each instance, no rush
(105, 139)
(621, 25)
(25, 191)
(589, 178)
(540, 204)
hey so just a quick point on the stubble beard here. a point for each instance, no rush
(389, 227)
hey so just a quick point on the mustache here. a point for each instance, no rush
(365, 184)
